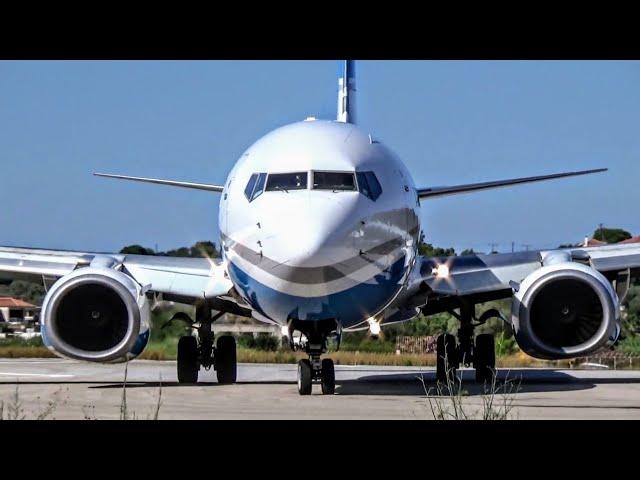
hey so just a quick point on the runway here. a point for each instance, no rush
(64, 389)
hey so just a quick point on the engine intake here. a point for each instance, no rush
(565, 310)
(96, 314)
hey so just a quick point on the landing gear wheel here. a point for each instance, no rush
(328, 377)
(305, 377)
(225, 360)
(188, 360)
(447, 359)
(484, 360)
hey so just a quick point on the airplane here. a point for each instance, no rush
(319, 228)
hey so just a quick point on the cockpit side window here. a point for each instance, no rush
(336, 181)
(287, 181)
(248, 192)
(369, 185)
(255, 186)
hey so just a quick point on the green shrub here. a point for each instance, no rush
(262, 342)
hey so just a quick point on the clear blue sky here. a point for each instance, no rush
(451, 122)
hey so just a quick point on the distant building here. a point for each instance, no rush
(635, 239)
(18, 317)
(592, 242)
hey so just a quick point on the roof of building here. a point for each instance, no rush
(14, 303)
(592, 242)
(635, 239)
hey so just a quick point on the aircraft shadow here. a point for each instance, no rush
(135, 384)
(508, 381)
(397, 384)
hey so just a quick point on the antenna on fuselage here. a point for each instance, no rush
(347, 92)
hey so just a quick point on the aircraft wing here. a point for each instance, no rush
(187, 278)
(435, 283)
(434, 192)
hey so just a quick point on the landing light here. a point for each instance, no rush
(441, 271)
(374, 326)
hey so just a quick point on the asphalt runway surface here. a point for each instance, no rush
(65, 389)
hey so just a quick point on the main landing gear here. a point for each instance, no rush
(314, 344)
(195, 353)
(479, 353)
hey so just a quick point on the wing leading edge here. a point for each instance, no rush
(191, 278)
(171, 183)
(477, 274)
(475, 187)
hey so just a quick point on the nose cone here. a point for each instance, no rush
(309, 244)
(319, 234)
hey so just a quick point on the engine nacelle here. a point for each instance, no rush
(97, 315)
(565, 310)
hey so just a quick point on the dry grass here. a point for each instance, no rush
(521, 359)
(339, 358)
(155, 354)
(25, 352)
(162, 352)
(452, 401)
(366, 358)
(13, 409)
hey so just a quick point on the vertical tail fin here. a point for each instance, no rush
(347, 92)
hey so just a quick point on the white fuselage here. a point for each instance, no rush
(306, 253)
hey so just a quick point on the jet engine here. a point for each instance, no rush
(565, 310)
(96, 314)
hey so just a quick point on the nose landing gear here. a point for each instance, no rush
(324, 372)
(315, 344)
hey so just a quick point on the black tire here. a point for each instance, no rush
(328, 377)
(226, 360)
(305, 377)
(447, 359)
(484, 360)
(188, 360)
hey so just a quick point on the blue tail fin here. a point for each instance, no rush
(347, 92)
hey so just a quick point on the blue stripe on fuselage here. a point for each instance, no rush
(350, 306)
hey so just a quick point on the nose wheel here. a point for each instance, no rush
(307, 374)
(313, 341)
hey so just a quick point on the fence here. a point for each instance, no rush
(608, 358)
(416, 345)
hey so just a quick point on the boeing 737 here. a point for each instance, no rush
(319, 228)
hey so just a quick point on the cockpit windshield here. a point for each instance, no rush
(287, 181)
(342, 181)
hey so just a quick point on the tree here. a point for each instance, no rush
(206, 248)
(428, 250)
(178, 252)
(137, 250)
(611, 235)
(29, 292)
(200, 249)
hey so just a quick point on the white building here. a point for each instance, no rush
(18, 317)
